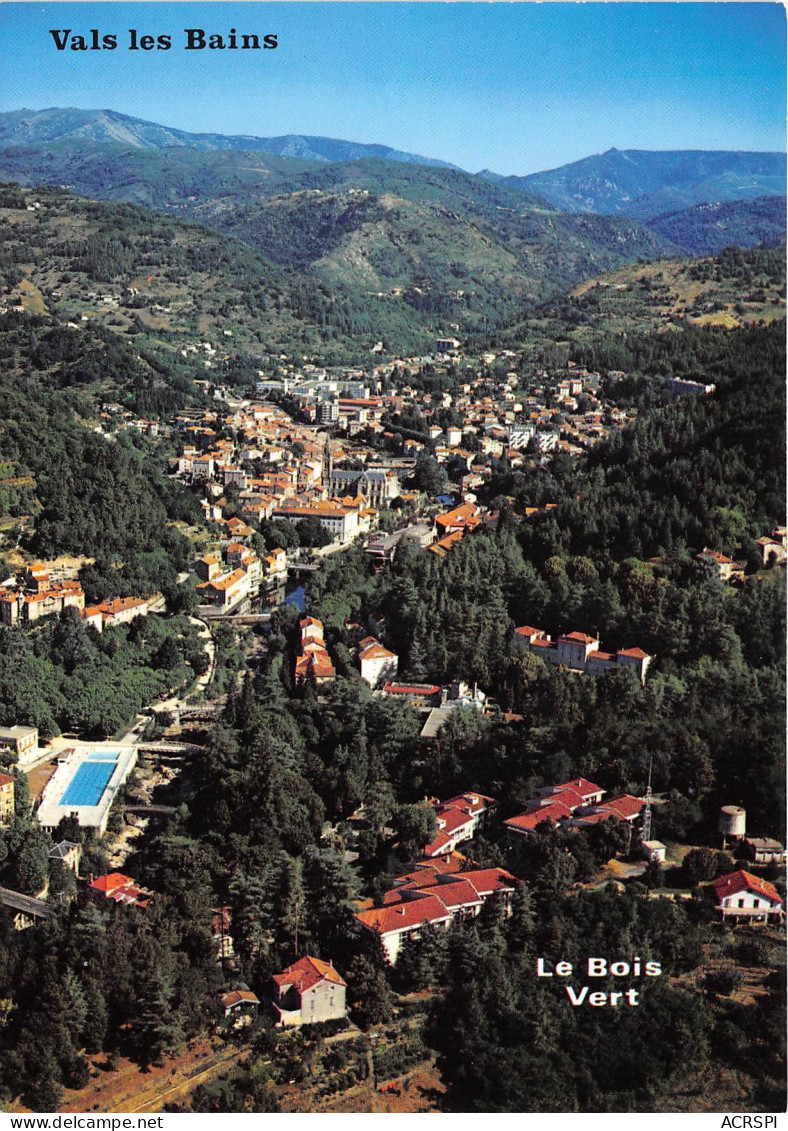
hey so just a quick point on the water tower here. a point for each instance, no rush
(732, 823)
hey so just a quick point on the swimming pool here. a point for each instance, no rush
(103, 756)
(88, 783)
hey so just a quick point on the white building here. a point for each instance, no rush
(378, 665)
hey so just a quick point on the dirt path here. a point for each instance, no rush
(129, 1089)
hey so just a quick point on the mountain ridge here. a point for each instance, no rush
(642, 183)
(58, 124)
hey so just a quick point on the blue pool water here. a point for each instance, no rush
(103, 756)
(88, 783)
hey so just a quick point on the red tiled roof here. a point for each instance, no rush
(413, 913)
(488, 880)
(6, 779)
(457, 893)
(637, 653)
(625, 806)
(745, 881)
(411, 689)
(236, 997)
(439, 842)
(582, 785)
(465, 801)
(307, 972)
(569, 797)
(579, 637)
(449, 863)
(452, 817)
(111, 881)
(121, 889)
(375, 651)
(528, 821)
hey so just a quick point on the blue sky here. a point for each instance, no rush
(514, 87)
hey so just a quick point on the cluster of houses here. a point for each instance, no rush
(36, 593)
(580, 652)
(573, 804)
(377, 664)
(293, 470)
(433, 895)
(773, 548)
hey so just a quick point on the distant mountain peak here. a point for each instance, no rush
(642, 182)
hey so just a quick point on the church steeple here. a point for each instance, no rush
(328, 465)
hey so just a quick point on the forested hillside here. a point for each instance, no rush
(706, 229)
(83, 492)
(403, 247)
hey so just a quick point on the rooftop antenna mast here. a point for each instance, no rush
(646, 833)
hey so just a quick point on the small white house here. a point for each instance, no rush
(744, 896)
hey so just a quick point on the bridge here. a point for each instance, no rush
(27, 908)
(149, 809)
(169, 748)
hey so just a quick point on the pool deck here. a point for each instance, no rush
(51, 811)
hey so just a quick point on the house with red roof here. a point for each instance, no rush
(120, 889)
(377, 664)
(625, 807)
(313, 661)
(726, 567)
(307, 992)
(240, 1004)
(740, 895)
(430, 897)
(457, 820)
(525, 823)
(588, 791)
